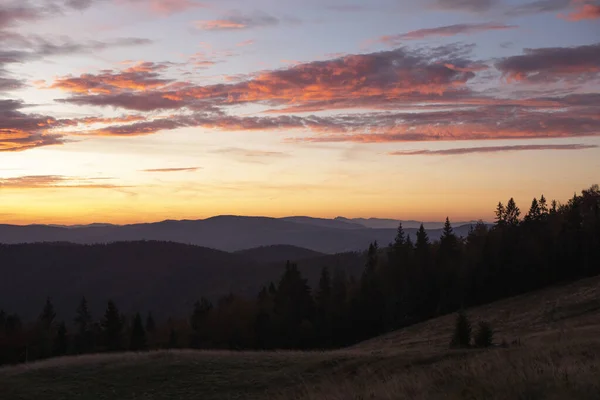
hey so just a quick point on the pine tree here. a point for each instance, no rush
(83, 318)
(138, 334)
(543, 206)
(198, 322)
(485, 335)
(534, 213)
(150, 324)
(47, 316)
(512, 213)
(500, 215)
(112, 327)
(462, 331)
(61, 341)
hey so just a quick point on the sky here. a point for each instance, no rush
(127, 111)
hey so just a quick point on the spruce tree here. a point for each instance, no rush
(500, 215)
(47, 316)
(485, 335)
(512, 213)
(462, 331)
(150, 324)
(61, 341)
(138, 334)
(85, 335)
(112, 327)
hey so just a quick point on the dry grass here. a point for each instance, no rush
(559, 359)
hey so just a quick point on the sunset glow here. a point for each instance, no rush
(126, 111)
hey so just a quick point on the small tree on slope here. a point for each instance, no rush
(485, 335)
(462, 331)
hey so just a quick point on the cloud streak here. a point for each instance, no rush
(54, 182)
(237, 21)
(492, 149)
(444, 31)
(161, 170)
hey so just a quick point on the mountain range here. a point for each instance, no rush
(234, 233)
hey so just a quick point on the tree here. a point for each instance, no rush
(198, 322)
(84, 340)
(150, 324)
(543, 206)
(46, 318)
(512, 213)
(83, 318)
(112, 327)
(462, 331)
(323, 308)
(485, 335)
(61, 341)
(535, 213)
(138, 334)
(500, 215)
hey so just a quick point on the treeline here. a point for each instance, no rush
(409, 281)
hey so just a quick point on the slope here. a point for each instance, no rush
(558, 358)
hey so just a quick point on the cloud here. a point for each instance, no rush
(383, 77)
(475, 6)
(450, 30)
(245, 43)
(250, 152)
(552, 64)
(492, 149)
(20, 131)
(537, 7)
(584, 10)
(238, 21)
(185, 169)
(55, 182)
(140, 77)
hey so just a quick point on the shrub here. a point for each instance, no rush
(485, 335)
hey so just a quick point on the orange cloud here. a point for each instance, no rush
(584, 10)
(54, 181)
(492, 149)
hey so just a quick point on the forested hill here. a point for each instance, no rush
(226, 233)
(163, 277)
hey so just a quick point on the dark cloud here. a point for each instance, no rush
(537, 7)
(450, 30)
(466, 5)
(553, 63)
(493, 149)
(20, 131)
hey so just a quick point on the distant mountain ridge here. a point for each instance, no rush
(229, 233)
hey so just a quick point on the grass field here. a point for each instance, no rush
(558, 358)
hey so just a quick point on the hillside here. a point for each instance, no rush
(162, 277)
(558, 358)
(225, 233)
(278, 253)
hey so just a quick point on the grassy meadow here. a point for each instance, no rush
(553, 352)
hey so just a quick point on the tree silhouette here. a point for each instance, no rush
(138, 334)
(512, 213)
(61, 341)
(485, 335)
(46, 318)
(462, 331)
(150, 324)
(112, 327)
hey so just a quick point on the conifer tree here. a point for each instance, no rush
(485, 335)
(543, 203)
(112, 327)
(150, 324)
(512, 213)
(534, 213)
(138, 334)
(83, 320)
(462, 331)
(47, 316)
(500, 215)
(61, 342)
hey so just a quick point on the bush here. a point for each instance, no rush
(485, 335)
(462, 331)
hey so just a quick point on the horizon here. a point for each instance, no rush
(379, 108)
(256, 216)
